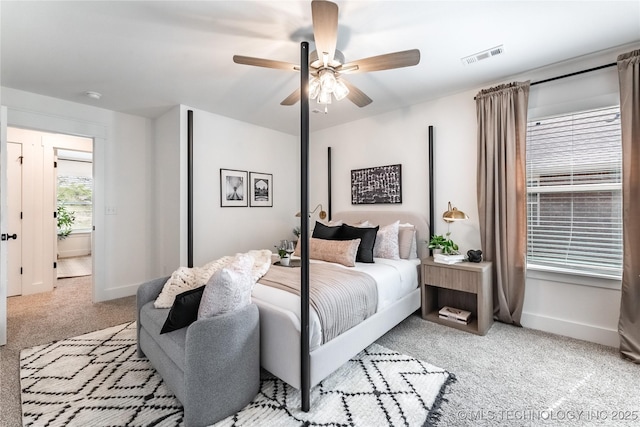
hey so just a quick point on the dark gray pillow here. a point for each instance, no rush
(184, 310)
(367, 238)
(322, 231)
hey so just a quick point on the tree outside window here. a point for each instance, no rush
(74, 196)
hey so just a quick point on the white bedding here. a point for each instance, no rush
(394, 280)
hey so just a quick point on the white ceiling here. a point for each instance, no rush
(147, 56)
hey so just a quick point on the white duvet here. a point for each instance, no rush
(394, 279)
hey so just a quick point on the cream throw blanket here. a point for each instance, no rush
(184, 278)
(341, 297)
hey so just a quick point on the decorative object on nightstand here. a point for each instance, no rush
(448, 259)
(462, 287)
(474, 255)
(445, 244)
(283, 252)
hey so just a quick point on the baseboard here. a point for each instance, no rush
(581, 331)
(72, 253)
(115, 293)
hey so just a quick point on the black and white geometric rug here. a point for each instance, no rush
(97, 380)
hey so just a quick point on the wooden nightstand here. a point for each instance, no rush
(465, 285)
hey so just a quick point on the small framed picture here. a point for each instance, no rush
(233, 188)
(261, 189)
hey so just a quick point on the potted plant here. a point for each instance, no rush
(65, 219)
(285, 249)
(444, 244)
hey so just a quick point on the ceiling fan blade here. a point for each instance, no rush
(356, 96)
(267, 63)
(406, 58)
(325, 27)
(292, 99)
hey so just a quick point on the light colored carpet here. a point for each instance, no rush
(510, 369)
(42, 318)
(97, 379)
(74, 267)
(522, 377)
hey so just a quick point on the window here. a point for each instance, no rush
(75, 187)
(574, 193)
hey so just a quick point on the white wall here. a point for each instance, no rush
(123, 167)
(167, 192)
(553, 304)
(220, 142)
(402, 137)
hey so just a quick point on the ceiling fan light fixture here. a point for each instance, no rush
(341, 90)
(327, 80)
(314, 87)
(324, 97)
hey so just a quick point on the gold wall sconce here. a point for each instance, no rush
(322, 214)
(453, 214)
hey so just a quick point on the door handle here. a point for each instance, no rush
(5, 236)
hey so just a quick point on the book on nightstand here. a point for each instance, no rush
(455, 314)
(447, 259)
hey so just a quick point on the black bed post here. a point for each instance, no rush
(190, 188)
(431, 196)
(329, 183)
(305, 362)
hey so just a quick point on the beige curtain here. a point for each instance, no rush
(629, 324)
(502, 193)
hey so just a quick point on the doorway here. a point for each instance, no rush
(74, 214)
(36, 250)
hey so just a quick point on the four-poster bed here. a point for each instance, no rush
(285, 331)
(281, 326)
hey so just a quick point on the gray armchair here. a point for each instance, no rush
(212, 366)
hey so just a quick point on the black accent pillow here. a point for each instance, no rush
(325, 232)
(184, 310)
(367, 238)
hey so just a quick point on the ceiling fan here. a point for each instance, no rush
(327, 64)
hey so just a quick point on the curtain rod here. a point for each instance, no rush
(613, 64)
(588, 70)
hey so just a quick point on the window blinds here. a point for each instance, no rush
(574, 193)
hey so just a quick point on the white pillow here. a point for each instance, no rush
(184, 279)
(386, 245)
(407, 243)
(228, 289)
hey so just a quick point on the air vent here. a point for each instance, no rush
(485, 54)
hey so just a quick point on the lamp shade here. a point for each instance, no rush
(341, 90)
(314, 87)
(453, 214)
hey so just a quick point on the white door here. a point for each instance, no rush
(3, 224)
(14, 219)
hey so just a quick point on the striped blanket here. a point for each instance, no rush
(341, 297)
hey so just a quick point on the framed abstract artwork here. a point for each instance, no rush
(380, 184)
(233, 188)
(260, 189)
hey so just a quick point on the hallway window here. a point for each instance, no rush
(75, 187)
